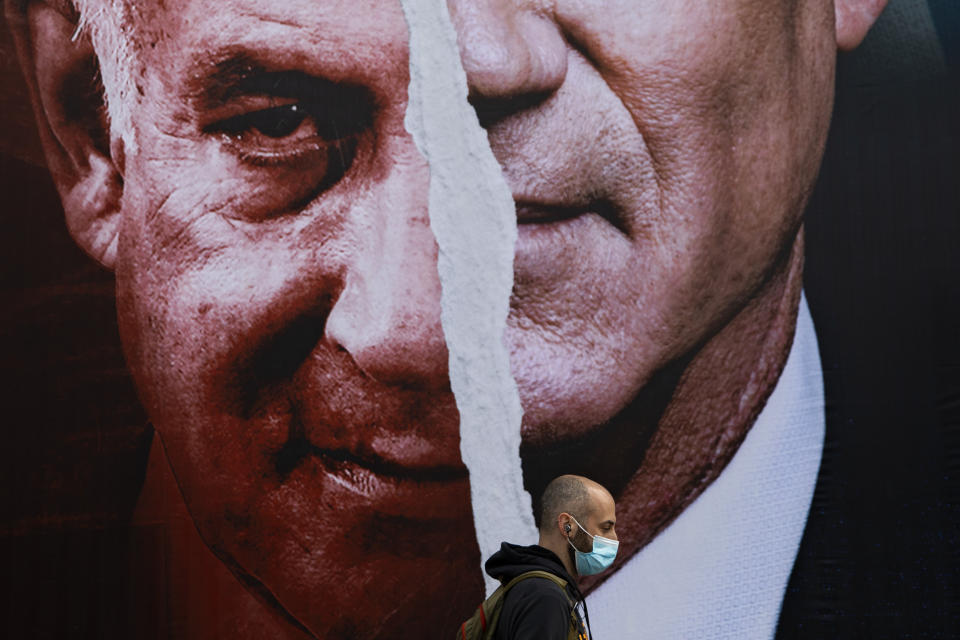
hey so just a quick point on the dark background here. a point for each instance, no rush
(881, 554)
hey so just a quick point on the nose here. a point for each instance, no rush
(387, 317)
(513, 55)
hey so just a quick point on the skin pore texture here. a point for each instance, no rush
(265, 212)
(654, 292)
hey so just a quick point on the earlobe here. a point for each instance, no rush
(62, 75)
(854, 19)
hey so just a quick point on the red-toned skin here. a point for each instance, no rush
(282, 320)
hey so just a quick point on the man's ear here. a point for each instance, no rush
(62, 75)
(853, 19)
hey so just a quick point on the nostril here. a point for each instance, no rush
(389, 322)
(491, 110)
(412, 361)
(513, 59)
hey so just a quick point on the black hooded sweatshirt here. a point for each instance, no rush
(535, 608)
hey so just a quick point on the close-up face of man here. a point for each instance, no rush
(266, 215)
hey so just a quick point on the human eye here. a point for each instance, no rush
(287, 134)
(273, 128)
(292, 122)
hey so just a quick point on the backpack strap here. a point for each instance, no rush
(537, 573)
(484, 621)
(574, 633)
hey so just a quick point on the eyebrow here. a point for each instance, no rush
(210, 85)
(231, 72)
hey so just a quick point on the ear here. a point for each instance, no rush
(565, 524)
(61, 72)
(853, 19)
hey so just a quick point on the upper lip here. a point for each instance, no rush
(539, 212)
(401, 451)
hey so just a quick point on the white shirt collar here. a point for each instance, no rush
(721, 568)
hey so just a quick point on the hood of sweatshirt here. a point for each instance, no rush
(512, 560)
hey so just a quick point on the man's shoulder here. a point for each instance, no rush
(537, 595)
(539, 586)
(535, 607)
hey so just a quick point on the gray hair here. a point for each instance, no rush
(109, 24)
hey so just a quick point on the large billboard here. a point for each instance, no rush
(308, 303)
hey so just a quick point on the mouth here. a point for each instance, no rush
(532, 212)
(357, 468)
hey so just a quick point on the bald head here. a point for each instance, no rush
(574, 509)
(568, 494)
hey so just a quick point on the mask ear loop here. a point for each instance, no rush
(582, 529)
(567, 528)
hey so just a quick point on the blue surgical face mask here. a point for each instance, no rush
(597, 560)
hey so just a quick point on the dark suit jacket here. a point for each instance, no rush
(880, 557)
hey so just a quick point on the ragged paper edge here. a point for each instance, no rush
(473, 218)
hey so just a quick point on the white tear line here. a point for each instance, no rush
(473, 218)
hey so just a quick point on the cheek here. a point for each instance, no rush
(192, 286)
(181, 324)
(734, 115)
(590, 321)
(731, 98)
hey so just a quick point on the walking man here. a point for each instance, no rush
(577, 538)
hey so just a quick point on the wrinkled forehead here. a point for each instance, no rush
(158, 18)
(151, 19)
(133, 38)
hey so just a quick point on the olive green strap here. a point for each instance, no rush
(557, 580)
(574, 632)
